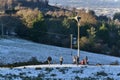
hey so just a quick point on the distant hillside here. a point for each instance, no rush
(10, 4)
(42, 5)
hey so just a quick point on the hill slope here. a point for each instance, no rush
(18, 50)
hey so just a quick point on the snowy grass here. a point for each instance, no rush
(17, 50)
(63, 73)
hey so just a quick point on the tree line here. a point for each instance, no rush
(12, 4)
(99, 34)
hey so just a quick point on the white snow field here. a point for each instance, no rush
(17, 50)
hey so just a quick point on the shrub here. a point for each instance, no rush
(63, 70)
(53, 75)
(37, 68)
(80, 71)
(115, 63)
(118, 74)
(88, 78)
(102, 73)
(32, 78)
(77, 78)
(109, 78)
(48, 69)
(32, 61)
(41, 75)
(22, 73)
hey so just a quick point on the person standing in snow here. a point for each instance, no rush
(82, 62)
(74, 59)
(49, 59)
(86, 60)
(61, 60)
(77, 60)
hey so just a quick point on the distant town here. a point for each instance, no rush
(101, 7)
(106, 11)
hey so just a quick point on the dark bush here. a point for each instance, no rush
(102, 73)
(32, 61)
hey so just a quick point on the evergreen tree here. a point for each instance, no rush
(92, 34)
(116, 16)
(103, 33)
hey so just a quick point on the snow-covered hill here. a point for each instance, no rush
(18, 50)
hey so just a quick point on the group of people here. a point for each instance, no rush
(75, 60)
(82, 62)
